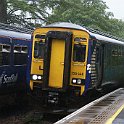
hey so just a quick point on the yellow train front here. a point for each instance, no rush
(67, 60)
(59, 60)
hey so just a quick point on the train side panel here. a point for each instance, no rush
(13, 64)
(106, 64)
(113, 64)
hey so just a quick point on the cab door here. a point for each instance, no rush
(57, 63)
(79, 61)
(57, 59)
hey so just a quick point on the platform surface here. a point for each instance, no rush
(120, 118)
(108, 109)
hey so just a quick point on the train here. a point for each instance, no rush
(15, 56)
(69, 59)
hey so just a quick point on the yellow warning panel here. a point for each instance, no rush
(110, 120)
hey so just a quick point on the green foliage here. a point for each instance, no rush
(85, 12)
(3, 11)
(91, 13)
(27, 13)
(35, 13)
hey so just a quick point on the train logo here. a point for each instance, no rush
(4, 78)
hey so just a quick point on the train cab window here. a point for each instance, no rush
(5, 54)
(20, 52)
(79, 52)
(39, 50)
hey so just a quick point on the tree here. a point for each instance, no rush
(25, 13)
(29, 13)
(90, 13)
(35, 13)
(3, 11)
(84, 12)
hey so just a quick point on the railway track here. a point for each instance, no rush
(33, 113)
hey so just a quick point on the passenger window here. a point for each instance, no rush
(17, 49)
(20, 52)
(24, 49)
(5, 54)
(79, 53)
(39, 50)
(6, 48)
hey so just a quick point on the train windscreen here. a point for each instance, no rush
(79, 52)
(39, 50)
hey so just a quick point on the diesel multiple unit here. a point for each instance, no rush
(68, 59)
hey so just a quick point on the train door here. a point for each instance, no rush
(99, 64)
(57, 63)
(57, 59)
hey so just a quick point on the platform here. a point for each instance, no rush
(118, 117)
(108, 109)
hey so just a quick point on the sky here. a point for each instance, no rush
(116, 7)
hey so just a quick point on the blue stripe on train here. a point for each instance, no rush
(88, 77)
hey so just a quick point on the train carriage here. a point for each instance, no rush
(15, 50)
(68, 59)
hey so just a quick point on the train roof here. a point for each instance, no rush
(106, 39)
(13, 34)
(97, 36)
(66, 25)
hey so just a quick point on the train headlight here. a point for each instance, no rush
(34, 77)
(79, 81)
(39, 77)
(74, 81)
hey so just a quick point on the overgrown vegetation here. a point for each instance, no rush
(35, 13)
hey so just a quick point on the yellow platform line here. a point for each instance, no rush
(110, 120)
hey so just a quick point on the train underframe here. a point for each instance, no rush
(59, 97)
